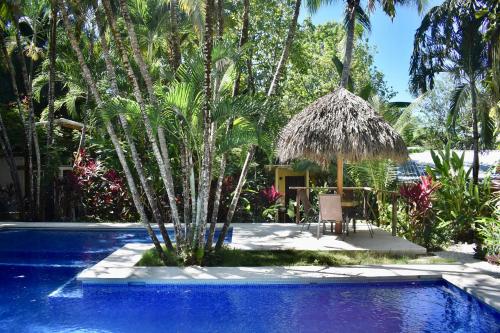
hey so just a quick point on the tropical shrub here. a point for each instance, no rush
(270, 200)
(270, 194)
(489, 232)
(252, 202)
(458, 200)
(380, 175)
(422, 227)
(102, 190)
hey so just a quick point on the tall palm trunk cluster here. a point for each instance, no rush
(25, 108)
(120, 48)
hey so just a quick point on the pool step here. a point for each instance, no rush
(71, 289)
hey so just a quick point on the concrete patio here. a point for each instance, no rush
(285, 236)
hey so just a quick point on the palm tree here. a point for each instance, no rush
(220, 18)
(205, 171)
(5, 139)
(354, 12)
(175, 43)
(126, 130)
(7, 150)
(110, 129)
(183, 101)
(223, 161)
(12, 12)
(162, 157)
(273, 87)
(450, 40)
(50, 127)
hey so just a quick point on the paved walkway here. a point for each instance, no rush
(464, 254)
(281, 236)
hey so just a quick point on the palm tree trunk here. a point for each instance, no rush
(163, 161)
(250, 77)
(83, 134)
(175, 44)
(204, 181)
(49, 186)
(192, 185)
(186, 189)
(235, 198)
(126, 130)
(7, 149)
(30, 123)
(286, 50)
(36, 145)
(475, 131)
(251, 152)
(217, 197)
(220, 19)
(243, 40)
(110, 129)
(10, 69)
(349, 44)
(38, 168)
(223, 161)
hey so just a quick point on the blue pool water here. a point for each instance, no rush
(38, 293)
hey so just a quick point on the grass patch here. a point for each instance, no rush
(245, 258)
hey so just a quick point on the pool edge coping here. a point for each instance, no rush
(120, 268)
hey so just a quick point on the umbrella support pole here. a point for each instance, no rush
(340, 175)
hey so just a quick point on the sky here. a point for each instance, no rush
(391, 40)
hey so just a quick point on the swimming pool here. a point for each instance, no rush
(38, 293)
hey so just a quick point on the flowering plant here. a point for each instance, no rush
(270, 194)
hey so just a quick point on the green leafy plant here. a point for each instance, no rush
(458, 201)
(489, 232)
(380, 176)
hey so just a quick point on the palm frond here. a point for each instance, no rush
(459, 98)
(380, 175)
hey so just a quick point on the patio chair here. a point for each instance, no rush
(310, 216)
(330, 210)
(310, 212)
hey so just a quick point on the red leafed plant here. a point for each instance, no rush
(419, 195)
(102, 190)
(419, 198)
(270, 194)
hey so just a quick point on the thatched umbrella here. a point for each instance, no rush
(340, 125)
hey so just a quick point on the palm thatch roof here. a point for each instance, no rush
(340, 124)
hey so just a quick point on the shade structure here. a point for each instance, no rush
(340, 125)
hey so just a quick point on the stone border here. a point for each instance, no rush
(70, 225)
(119, 268)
